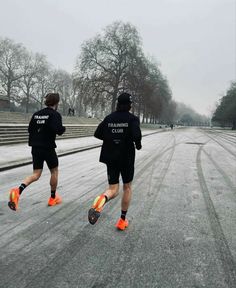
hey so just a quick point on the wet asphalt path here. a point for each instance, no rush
(182, 230)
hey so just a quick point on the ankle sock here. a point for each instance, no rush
(53, 194)
(123, 214)
(22, 187)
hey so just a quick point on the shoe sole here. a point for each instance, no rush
(93, 216)
(121, 229)
(57, 203)
(12, 205)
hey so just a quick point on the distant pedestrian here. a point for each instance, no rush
(119, 131)
(43, 127)
(171, 126)
(69, 112)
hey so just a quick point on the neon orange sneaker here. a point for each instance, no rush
(95, 211)
(14, 198)
(122, 224)
(54, 201)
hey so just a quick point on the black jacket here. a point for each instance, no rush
(43, 128)
(119, 131)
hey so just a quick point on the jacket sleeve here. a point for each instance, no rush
(136, 133)
(99, 132)
(31, 124)
(56, 124)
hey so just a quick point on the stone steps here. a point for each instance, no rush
(10, 134)
(23, 118)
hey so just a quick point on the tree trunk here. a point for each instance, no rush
(9, 90)
(113, 102)
(133, 109)
(234, 125)
(139, 106)
(144, 113)
(42, 96)
(27, 100)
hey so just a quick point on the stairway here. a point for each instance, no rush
(23, 118)
(17, 133)
(13, 127)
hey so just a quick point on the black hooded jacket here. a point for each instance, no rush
(119, 131)
(43, 128)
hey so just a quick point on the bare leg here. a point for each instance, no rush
(122, 223)
(15, 192)
(55, 198)
(32, 178)
(112, 191)
(94, 212)
(54, 178)
(127, 192)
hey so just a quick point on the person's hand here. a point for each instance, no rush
(138, 145)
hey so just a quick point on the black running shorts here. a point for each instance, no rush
(115, 170)
(44, 154)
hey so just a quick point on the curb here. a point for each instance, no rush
(28, 161)
(17, 164)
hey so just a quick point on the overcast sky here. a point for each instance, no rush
(194, 41)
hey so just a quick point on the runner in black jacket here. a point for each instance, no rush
(43, 128)
(120, 132)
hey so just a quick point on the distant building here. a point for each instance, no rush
(4, 103)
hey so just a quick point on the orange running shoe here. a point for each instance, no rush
(14, 198)
(95, 211)
(122, 224)
(54, 201)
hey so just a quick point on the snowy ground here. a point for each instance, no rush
(182, 230)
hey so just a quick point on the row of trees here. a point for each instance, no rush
(113, 62)
(109, 63)
(225, 113)
(26, 77)
(186, 116)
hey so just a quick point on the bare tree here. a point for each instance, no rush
(113, 62)
(43, 83)
(33, 65)
(63, 84)
(104, 59)
(11, 57)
